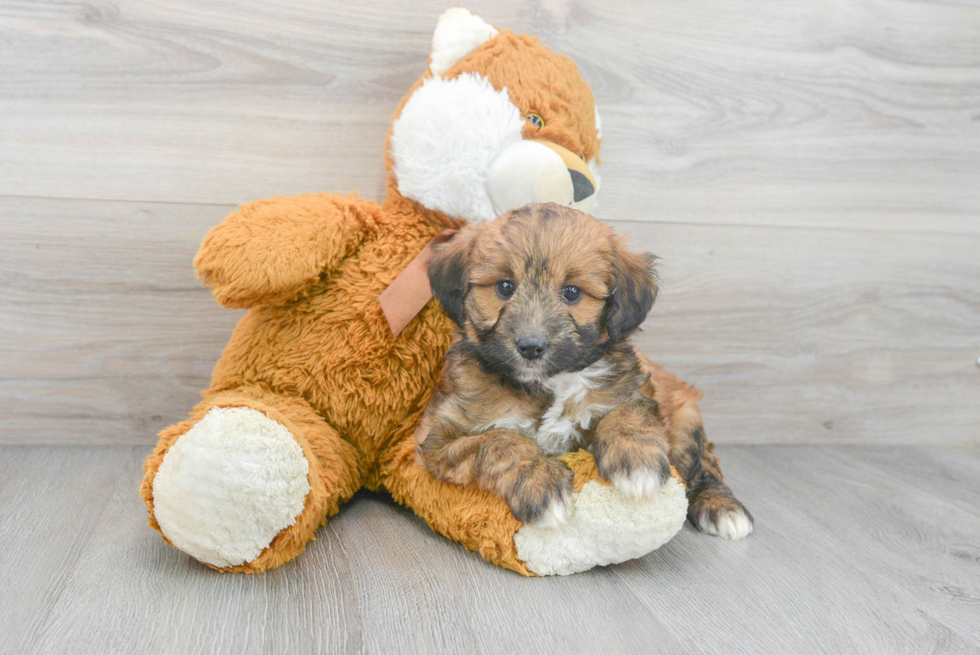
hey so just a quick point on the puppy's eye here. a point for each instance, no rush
(571, 294)
(505, 289)
(535, 120)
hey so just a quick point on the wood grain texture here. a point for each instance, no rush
(807, 171)
(854, 114)
(50, 503)
(795, 335)
(102, 323)
(809, 180)
(837, 531)
(847, 557)
(820, 336)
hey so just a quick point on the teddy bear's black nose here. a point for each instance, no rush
(581, 186)
(531, 347)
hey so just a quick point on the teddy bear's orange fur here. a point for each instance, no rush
(315, 355)
(315, 352)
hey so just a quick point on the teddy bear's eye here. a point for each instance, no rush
(535, 120)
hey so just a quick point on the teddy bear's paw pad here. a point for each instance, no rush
(606, 527)
(229, 485)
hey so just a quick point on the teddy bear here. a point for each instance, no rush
(318, 393)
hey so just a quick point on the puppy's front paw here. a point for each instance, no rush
(721, 514)
(643, 483)
(607, 527)
(543, 496)
(638, 468)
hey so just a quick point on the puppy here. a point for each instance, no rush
(546, 298)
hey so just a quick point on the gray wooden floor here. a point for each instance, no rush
(858, 549)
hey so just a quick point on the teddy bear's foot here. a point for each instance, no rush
(229, 485)
(606, 527)
(246, 481)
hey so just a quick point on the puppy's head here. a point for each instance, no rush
(541, 290)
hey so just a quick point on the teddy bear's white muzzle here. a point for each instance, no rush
(537, 171)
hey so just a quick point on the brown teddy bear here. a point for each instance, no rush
(315, 396)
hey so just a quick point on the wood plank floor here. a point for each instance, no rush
(858, 549)
(806, 171)
(794, 334)
(853, 114)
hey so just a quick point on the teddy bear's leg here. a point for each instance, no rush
(243, 483)
(605, 527)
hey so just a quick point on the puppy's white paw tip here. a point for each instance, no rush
(731, 524)
(640, 484)
(556, 515)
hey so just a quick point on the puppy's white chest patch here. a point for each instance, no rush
(560, 431)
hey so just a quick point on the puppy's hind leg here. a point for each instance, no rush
(712, 507)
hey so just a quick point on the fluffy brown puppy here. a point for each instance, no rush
(546, 298)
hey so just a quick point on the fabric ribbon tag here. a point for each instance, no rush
(410, 291)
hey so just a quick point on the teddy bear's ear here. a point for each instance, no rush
(457, 34)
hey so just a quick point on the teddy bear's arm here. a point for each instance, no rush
(270, 251)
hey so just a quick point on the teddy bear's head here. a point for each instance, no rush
(498, 121)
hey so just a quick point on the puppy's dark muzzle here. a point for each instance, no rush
(531, 348)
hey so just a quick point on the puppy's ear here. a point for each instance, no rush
(634, 290)
(449, 272)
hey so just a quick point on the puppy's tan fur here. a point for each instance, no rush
(499, 418)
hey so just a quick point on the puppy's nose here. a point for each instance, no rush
(531, 347)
